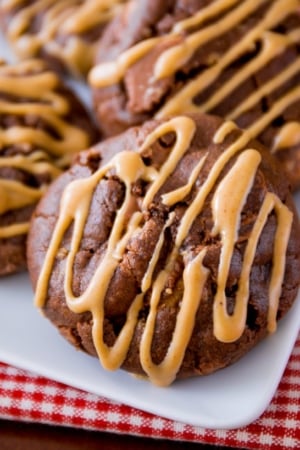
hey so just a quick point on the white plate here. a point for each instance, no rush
(231, 398)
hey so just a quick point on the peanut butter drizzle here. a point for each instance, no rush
(14, 230)
(229, 198)
(16, 195)
(208, 12)
(227, 204)
(25, 81)
(70, 18)
(223, 131)
(180, 54)
(272, 45)
(112, 72)
(175, 196)
(194, 278)
(288, 136)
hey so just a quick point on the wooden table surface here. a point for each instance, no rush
(23, 436)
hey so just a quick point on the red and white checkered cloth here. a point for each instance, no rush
(28, 397)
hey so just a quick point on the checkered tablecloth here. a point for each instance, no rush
(29, 397)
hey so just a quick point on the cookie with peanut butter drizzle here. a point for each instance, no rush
(169, 250)
(65, 33)
(239, 59)
(42, 125)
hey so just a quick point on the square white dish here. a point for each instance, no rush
(231, 398)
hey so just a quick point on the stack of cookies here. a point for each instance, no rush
(170, 244)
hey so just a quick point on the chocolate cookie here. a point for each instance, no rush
(170, 250)
(42, 124)
(236, 59)
(64, 33)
